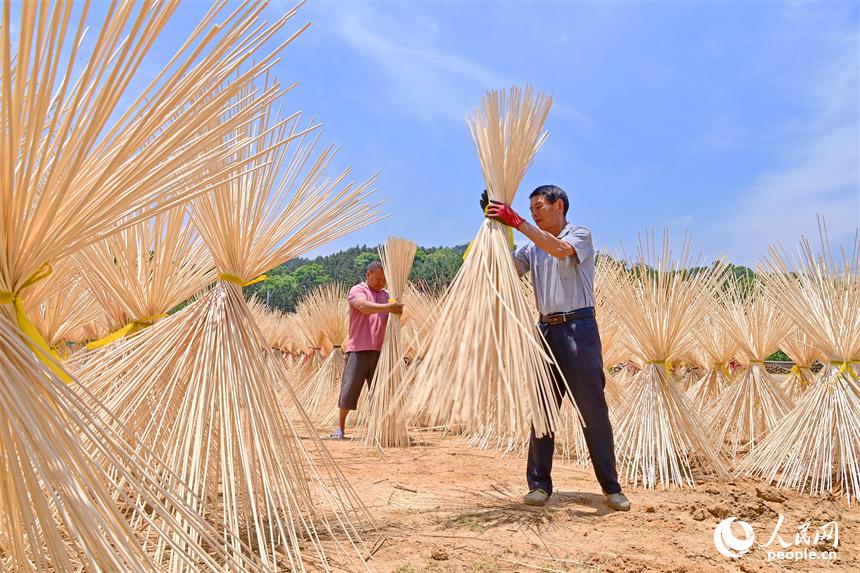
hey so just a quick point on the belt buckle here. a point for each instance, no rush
(555, 319)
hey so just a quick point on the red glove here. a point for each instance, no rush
(503, 213)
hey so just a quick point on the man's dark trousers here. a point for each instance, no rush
(576, 347)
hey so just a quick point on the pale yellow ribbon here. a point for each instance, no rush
(127, 330)
(33, 338)
(238, 280)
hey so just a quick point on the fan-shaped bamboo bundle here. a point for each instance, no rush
(315, 344)
(146, 270)
(328, 312)
(200, 385)
(287, 336)
(816, 447)
(718, 348)
(75, 168)
(658, 437)
(486, 366)
(386, 423)
(60, 306)
(753, 404)
(803, 352)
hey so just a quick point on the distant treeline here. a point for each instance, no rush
(434, 267)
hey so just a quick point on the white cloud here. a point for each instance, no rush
(422, 80)
(821, 174)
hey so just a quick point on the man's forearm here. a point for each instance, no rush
(367, 307)
(547, 241)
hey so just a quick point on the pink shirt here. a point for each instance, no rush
(366, 331)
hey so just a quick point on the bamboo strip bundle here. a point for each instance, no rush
(69, 178)
(816, 447)
(58, 514)
(386, 424)
(718, 349)
(146, 270)
(328, 311)
(200, 385)
(417, 320)
(659, 437)
(61, 306)
(753, 404)
(800, 348)
(486, 366)
(287, 334)
(606, 270)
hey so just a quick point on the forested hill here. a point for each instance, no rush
(433, 266)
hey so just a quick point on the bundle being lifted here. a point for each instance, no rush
(386, 422)
(718, 349)
(486, 367)
(659, 438)
(78, 495)
(815, 449)
(200, 386)
(754, 403)
(328, 316)
(800, 348)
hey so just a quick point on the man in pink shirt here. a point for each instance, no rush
(368, 314)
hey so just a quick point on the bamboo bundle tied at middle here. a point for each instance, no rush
(486, 367)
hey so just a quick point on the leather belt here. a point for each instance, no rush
(562, 317)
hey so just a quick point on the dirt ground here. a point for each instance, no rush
(443, 506)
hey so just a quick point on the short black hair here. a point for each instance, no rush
(552, 193)
(373, 266)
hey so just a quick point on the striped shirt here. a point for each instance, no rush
(560, 285)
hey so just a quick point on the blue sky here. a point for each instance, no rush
(735, 120)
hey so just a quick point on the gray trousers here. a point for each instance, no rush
(359, 369)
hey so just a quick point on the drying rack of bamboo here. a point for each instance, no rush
(753, 404)
(486, 366)
(77, 168)
(387, 420)
(816, 446)
(659, 438)
(200, 386)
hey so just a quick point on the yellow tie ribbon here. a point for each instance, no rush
(666, 365)
(127, 330)
(845, 367)
(33, 338)
(392, 300)
(238, 280)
